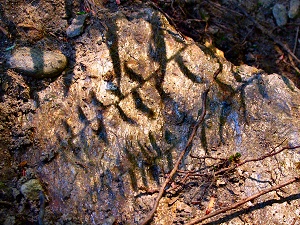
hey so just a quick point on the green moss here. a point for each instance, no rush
(234, 158)
(2, 185)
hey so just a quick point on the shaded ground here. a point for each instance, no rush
(224, 24)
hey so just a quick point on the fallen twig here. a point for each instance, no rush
(296, 40)
(270, 154)
(227, 169)
(4, 31)
(222, 8)
(169, 19)
(292, 64)
(174, 170)
(269, 33)
(233, 206)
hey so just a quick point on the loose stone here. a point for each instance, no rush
(76, 28)
(37, 63)
(280, 14)
(294, 8)
(31, 189)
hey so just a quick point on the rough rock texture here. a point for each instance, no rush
(108, 131)
(294, 8)
(37, 63)
(280, 14)
(76, 28)
(31, 189)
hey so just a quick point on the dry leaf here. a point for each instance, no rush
(210, 205)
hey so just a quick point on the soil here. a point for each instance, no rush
(221, 23)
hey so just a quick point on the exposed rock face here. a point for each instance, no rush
(114, 126)
(37, 63)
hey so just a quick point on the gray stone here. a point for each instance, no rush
(294, 8)
(280, 14)
(116, 142)
(37, 63)
(77, 25)
(31, 189)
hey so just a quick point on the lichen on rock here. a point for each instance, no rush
(31, 189)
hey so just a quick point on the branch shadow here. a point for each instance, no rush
(113, 45)
(228, 103)
(255, 207)
(157, 52)
(193, 77)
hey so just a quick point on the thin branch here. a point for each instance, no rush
(235, 205)
(292, 64)
(272, 153)
(207, 157)
(169, 19)
(223, 9)
(269, 33)
(296, 40)
(274, 148)
(148, 218)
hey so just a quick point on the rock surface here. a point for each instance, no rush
(280, 14)
(294, 8)
(31, 189)
(37, 63)
(76, 28)
(108, 133)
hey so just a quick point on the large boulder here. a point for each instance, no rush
(109, 131)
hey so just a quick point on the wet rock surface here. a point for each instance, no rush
(105, 134)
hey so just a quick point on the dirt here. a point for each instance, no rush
(38, 23)
(227, 27)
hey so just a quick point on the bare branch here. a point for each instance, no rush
(270, 154)
(148, 219)
(233, 206)
(269, 33)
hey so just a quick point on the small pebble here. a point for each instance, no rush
(294, 8)
(37, 63)
(280, 14)
(76, 28)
